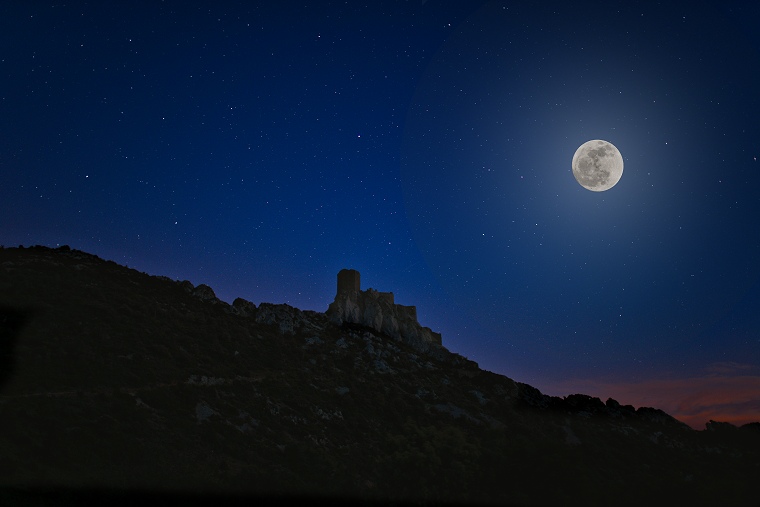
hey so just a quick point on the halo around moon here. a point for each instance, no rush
(597, 165)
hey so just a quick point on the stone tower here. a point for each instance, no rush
(348, 280)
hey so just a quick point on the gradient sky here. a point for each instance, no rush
(260, 147)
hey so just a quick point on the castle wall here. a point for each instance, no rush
(409, 312)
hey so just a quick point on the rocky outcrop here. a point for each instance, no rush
(288, 319)
(243, 308)
(204, 293)
(377, 310)
(587, 406)
(657, 416)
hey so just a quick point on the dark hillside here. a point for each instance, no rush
(116, 384)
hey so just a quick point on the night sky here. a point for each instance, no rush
(260, 147)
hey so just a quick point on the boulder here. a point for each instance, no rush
(204, 292)
(287, 319)
(243, 308)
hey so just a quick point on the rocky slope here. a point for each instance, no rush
(116, 382)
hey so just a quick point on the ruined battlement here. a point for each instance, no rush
(408, 311)
(384, 296)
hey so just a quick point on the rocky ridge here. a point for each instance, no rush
(118, 379)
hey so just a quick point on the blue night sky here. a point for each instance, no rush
(260, 147)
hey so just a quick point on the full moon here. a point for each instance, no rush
(597, 165)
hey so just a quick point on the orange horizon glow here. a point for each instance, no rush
(717, 396)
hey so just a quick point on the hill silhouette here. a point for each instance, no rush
(120, 386)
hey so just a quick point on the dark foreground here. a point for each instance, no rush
(121, 388)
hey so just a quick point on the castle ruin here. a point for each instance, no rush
(378, 311)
